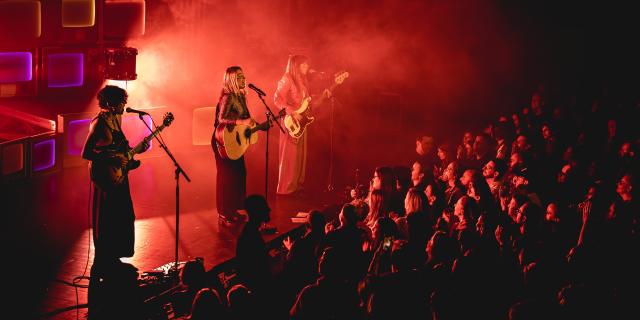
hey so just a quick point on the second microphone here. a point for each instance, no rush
(257, 90)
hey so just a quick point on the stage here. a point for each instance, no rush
(52, 236)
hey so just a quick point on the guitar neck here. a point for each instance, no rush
(258, 127)
(323, 96)
(138, 147)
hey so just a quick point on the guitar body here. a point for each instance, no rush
(233, 141)
(296, 128)
(108, 176)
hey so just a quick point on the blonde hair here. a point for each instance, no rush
(376, 208)
(230, 81)
(415, 201)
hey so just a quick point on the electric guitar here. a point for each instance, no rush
(234, 140)
(107, 175)
(296, 128)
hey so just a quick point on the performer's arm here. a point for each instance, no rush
(89, 152)
(228, 114)
(100, 136)
(280, 97)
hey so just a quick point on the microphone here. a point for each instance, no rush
(316, 73)
(141, 113)
(257, 90)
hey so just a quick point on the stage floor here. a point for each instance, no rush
(51, 235)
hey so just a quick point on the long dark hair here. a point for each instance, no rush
(293, 69)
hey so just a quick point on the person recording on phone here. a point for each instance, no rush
(384, 233)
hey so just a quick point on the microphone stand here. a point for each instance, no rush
(178, 172)
(330, 186)
(270, 117)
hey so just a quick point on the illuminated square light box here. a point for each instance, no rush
(20, 20)
(202, 127)
(43, 155)
(124, 18)
(12, 158)
(15, 67)
(8, 90)
(135, 130)
(65, 70)
(78, 13)
(75, 134)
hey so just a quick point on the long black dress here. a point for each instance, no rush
(112, 211)
(231, 186)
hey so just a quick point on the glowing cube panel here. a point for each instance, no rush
(20, 20)
(15, 67)
(135, 130)
(76, 135)
(202, 128)
(65, 70)
(124, 19)
(78, 13)
(8, 90)
(43, 155)
(12, 158)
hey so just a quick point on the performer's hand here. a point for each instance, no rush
(246, 122)
(145, 146)
(367, 246)
(327, 93)
(119, 160)
(288, 243)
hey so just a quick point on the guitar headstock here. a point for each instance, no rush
(341, 76)
(168, 119)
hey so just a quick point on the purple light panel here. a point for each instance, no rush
(12, 158)
(43, 155)
(65, 70)
(16, 67)
(77, 131)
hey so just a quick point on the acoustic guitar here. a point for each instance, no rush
(234, 140)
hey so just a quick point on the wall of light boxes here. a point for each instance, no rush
(45, 47)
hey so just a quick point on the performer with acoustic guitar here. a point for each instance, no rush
(112, 212)
(234, 131)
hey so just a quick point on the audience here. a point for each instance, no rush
(536, 217)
